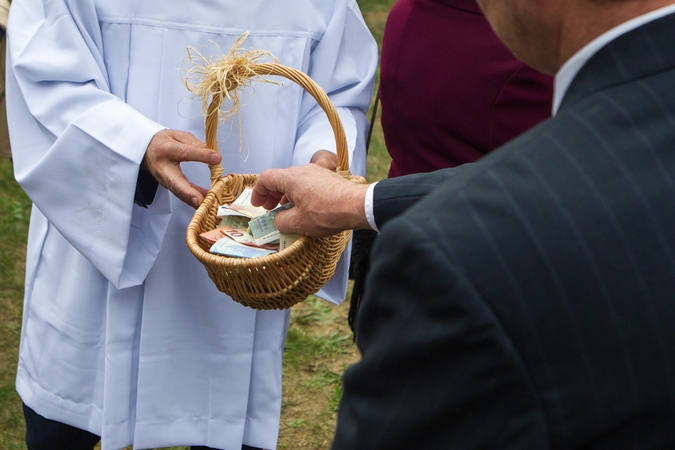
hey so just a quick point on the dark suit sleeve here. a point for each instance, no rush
(393, 196)
(437, 371)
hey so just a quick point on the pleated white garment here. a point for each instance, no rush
(124, 335)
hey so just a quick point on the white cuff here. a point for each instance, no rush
(370, 216)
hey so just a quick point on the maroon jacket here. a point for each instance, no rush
(450, 90)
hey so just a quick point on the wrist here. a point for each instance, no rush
(354, 211)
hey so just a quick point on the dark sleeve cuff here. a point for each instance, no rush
(146, 188)
(393, 196)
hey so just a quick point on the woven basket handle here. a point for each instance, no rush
(211, 123)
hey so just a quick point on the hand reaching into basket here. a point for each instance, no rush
(324, 158)
(324, 203)
(166, 151)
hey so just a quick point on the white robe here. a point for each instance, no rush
(124, 335)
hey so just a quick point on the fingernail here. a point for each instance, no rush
(195, 202)
(215, 158)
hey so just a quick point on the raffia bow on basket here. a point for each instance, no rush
(280, 280)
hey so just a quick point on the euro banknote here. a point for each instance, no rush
(262, 227)
(287, 239)
(243, 205)
(228, 247)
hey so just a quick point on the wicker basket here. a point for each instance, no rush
(280, 280)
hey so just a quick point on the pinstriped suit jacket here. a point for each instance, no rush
(529, 301)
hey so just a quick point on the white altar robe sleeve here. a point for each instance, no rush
(346, 72)
(76, 147)
(341, 66)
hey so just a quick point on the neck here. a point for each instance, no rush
(588, 19)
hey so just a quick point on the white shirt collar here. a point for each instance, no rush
(572, 66)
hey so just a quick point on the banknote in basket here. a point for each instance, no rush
(262, 227)
(243, 205)
(228, 247)
(242, 236)
(231, 218)
(236, 234)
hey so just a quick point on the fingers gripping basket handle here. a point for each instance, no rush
(280, 280)
(211, 122)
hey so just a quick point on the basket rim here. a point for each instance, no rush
(304, 243)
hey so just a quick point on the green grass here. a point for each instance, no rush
(304, 346)
(14, 213)
(318, 349)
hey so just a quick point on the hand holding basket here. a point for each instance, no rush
(280, 280)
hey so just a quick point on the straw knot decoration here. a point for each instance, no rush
(280, 280)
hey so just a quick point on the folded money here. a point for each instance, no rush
(232, 218)
(243, 237)
(237, 235)
(213, 236)
(228, 247)
(287, 239)
(262, 228)
(271, 238)
(243, 205)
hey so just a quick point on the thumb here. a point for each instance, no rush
(287, 221)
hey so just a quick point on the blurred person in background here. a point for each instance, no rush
(451, 92)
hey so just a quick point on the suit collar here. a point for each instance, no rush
(644, 50)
